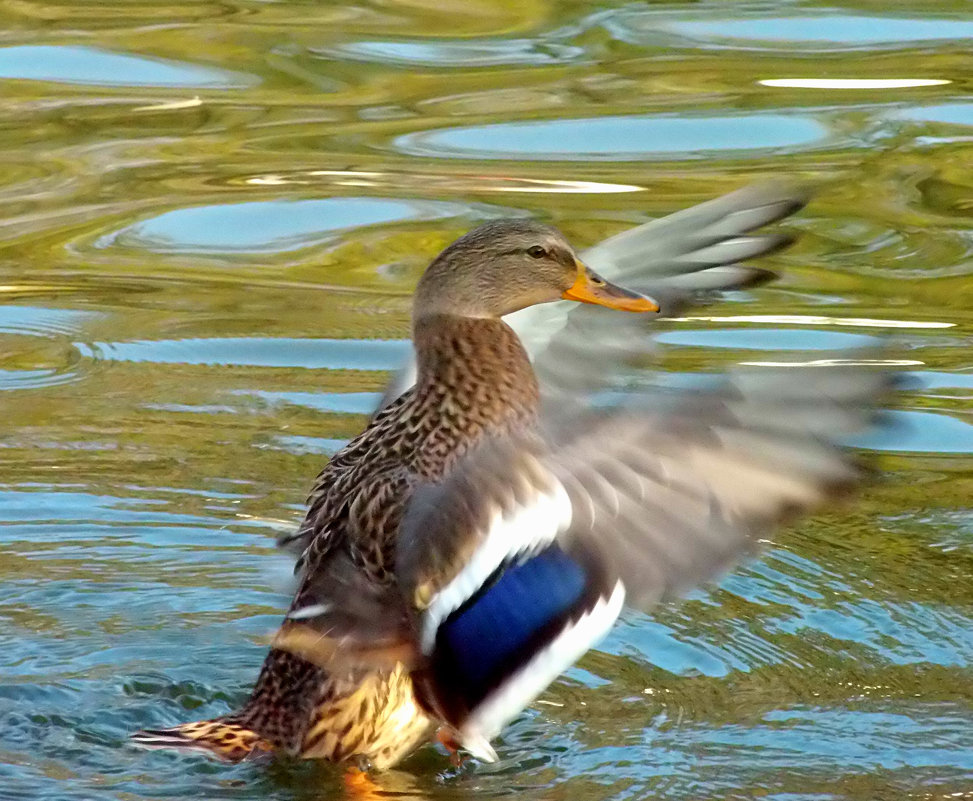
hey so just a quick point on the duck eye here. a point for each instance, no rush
(536, 252)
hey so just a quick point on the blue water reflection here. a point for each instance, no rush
(43, 321)
(330, 354)
(920, 432)
(341, 402)
(946, 113)
(619, 138)
(458, 53)
(269, 226)
(93, 65)
(826, 29)
(769, 339)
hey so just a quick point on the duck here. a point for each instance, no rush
(496, 514)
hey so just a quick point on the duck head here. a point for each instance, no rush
(506, 265)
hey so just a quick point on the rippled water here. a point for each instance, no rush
(212, 216)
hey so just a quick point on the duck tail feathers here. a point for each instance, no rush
(221, 738)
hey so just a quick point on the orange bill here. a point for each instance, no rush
(592, 288)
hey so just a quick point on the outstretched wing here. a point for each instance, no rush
(700, 248)
(675, 260)
(523, 558)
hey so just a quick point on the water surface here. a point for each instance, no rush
(212, 216)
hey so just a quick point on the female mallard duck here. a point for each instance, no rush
(472, 542)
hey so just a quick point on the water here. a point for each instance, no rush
(212, 217)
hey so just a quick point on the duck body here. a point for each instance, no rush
(475, 380)
(473, 541)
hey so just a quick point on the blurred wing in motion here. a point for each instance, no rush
(342, 619)
(677, 260)
(522, 559)
(700, 248)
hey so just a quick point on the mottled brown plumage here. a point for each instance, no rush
(355, 510)
(475, 378)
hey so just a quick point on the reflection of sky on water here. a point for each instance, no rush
(44, 330)
(768, 339)
(901, 634)
(844, 739)
(300, 445)
(328, 354)
(32, 379)
(618, 138)
(931, 379)
(92, 65)
(947, 113)
(477, 53)
(269, 226)
(341, 402)
(920, 432)
(42, 321)
(826, 28)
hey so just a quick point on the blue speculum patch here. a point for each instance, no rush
(494, 629)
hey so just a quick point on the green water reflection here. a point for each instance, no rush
(212, 217)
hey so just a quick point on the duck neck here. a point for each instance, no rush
(475, 369)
